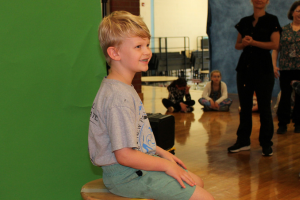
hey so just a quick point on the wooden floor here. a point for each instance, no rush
(201, 142)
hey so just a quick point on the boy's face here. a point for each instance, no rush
(135, 54)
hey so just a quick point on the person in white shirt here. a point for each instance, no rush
(215, 96)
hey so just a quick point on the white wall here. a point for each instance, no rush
(176, 18)
(145, 12)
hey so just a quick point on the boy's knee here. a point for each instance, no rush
(197, 179)
(201, 194)
(199, 182)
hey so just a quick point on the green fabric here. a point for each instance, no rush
(133, 183)
(288, 37)
(51, 68)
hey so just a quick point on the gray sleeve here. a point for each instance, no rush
(121, 127)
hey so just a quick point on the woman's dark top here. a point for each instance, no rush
(253, 58)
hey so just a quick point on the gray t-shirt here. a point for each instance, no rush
(118, 120)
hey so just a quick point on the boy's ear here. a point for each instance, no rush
(113, 53)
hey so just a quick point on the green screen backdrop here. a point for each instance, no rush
(51, 68)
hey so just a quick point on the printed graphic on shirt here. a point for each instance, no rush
(146, 140)
(93, 116)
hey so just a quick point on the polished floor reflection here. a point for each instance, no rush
(201, 142)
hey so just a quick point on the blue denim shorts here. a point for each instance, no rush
(133, 183)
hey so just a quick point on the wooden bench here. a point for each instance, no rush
(96, 190)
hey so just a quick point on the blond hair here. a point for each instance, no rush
(117, 26)
(215, 71)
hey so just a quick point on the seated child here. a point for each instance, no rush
(214, 96)
(255, 105)
(296, 86)
(295, 103)
(177, 90)
(120, 138)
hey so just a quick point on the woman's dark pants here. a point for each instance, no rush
(284, 108)
(263, 85)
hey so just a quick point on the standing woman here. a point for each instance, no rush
(258, 34)
(289, 68)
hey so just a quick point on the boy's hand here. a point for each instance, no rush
(180, 175)
(174, 169)
(168, 156)
(167, 163)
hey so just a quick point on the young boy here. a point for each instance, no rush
(120, 137)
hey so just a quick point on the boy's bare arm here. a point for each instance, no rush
(168, 164)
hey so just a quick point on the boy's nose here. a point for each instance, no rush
(148, 51)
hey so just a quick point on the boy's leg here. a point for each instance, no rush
(197, 179)
(201, 194)
(125, 181)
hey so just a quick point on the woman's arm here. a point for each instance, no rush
(274, 61)
(239, 42)
(273, 44)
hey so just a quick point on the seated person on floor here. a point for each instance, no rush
(296, 86)
(177, 90)
(296, 92)
(215, 96)
(254, 106)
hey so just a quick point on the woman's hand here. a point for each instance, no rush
(247, 40)
(276, 72)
